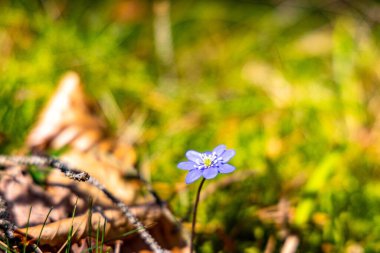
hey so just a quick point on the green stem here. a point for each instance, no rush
(195, 216)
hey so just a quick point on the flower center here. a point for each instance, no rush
(207, 161)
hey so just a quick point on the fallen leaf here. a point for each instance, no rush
(67, 118)
(69, 122)
(20, 192)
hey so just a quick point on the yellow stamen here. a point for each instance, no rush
(207, 162)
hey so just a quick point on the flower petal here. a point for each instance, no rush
(210, 172)
(186, 165)
(219, 149)
(192, 176)
(227, 155)
(226, 168)
(194, 156)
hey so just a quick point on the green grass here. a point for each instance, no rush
(292, 87)
(70, 235)
(27, 228)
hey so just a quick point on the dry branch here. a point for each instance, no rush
(5, 224)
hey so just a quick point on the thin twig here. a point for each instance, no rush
(36, 249)
(83, 176)
(6, 225)
(118, 244)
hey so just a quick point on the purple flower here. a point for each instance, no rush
(207, 164)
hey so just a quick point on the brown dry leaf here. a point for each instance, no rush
(68, 121)
(20, 192)
(116, 224)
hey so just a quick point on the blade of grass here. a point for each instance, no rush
(5, 247)
(43, 225)
(74, 231)
(97, 237)
(71, 228)
(71, 232)
(27, 228)
(103, 232)
(89, 241)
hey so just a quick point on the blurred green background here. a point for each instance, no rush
(292, 86)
